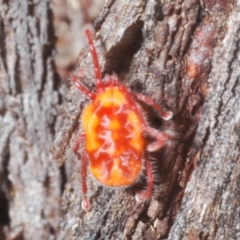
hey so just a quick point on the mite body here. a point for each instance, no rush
(114, 140)
(114, 132)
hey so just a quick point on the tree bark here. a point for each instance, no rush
(210, 208)
(30, 185)
(184, 54)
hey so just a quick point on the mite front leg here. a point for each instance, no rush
(77, 82)
(166, 115)
(83, 157)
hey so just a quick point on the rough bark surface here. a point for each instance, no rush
(210, 207)
(182, 53)
(30, 185)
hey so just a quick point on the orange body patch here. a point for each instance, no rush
(114, 139)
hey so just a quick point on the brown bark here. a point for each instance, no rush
(210, 208)
(183, 54)
(144, 42)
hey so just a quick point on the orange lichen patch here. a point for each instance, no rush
(199, 57)
(192, 70)
(114, 139)
(201, 49)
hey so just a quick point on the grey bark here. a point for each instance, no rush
(30, 185)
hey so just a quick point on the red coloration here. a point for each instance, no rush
(222, 4)
(114, 130)
(197, 62)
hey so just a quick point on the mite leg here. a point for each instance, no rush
(143, 195)
(161, 138)
(166, 115)
(77, 82)
(97, 69)
(86, 205)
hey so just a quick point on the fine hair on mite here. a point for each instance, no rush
(113, 142)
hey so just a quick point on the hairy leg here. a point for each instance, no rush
(86, 205)
(97, 69)
(143, 195)
(166, 115)
(77, 82)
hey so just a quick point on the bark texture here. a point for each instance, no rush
(30, 185)
(210, 207)
(182, 53)
(185, 55)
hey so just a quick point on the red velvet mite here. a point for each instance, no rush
(114, 132)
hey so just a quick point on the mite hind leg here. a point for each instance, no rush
(161, 138)
(146, 194)
(86, 205)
